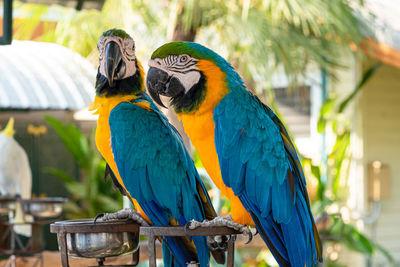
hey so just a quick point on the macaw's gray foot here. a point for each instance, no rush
(220, 242)
(123, 214)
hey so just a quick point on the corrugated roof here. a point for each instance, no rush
(35, 75)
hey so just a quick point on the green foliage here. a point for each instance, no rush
(331, 110)
(366, 76)
(90, 194)
(328, 190)
(349, 235)
(259, 37)
(331, 113)
(80, 30)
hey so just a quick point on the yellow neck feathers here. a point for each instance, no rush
(106, 104)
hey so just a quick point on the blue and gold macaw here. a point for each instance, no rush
(145, 153)
(243, 146)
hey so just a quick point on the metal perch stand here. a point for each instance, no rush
(84, 238)
(154, 232)
(101, 246)
(43, 210)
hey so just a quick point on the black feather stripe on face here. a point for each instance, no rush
(189, 101)
(129, 86)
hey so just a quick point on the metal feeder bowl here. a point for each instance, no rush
(43, 208)
(86, 239)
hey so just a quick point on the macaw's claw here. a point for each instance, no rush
(220, 242)
(98, 216)
(121, 215)
(250, 237)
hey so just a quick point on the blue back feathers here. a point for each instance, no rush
(158, 172)
(259, 162)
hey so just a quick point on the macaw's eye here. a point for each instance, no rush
(183, 59)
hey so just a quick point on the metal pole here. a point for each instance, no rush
(231, 251)
(152, 250)
(63, 250)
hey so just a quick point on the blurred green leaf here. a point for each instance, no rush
(364, 79)
(90, 193)
(326, 109)
(339, 154)
(384, 252)
(60, 174)
(356, 241)
(330, 263)
(72, 208)
(73, 139)
(108, 202)
(76, 189)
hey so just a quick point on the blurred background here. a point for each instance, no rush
(329, 69)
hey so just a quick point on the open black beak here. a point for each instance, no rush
(113, 57)
(160, 83)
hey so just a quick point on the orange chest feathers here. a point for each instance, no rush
(200, 127)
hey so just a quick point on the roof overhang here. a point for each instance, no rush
(40, 76)
(382, 52)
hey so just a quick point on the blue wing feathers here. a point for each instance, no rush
(158, 172)
(259, 162)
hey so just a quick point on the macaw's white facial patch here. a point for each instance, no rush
(188, 79)
(127, 47)
(182, 67)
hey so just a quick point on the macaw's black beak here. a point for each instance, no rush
(113, 57)
(157, 84)
(160, 83)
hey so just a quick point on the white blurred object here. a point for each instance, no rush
(15, 173)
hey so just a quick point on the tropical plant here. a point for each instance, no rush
(330, 180)
(90, 194)
(260, 37)
(80, 30)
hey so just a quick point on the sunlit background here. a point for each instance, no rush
(329, 69)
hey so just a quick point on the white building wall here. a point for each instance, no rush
(380, 109)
